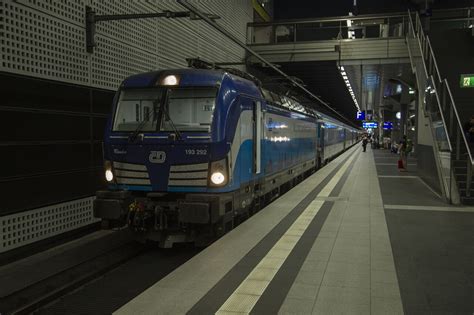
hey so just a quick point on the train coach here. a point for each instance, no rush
(190, 152)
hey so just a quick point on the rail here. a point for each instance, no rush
(338, 28)
(412, 33)
(440, 84)
(440, 111)
(446, 104)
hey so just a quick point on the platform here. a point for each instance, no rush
(356, 237)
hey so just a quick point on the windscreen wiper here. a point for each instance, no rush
(168, 118)
(133, 136)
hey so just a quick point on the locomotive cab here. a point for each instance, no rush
(167, 157)
(191, 152)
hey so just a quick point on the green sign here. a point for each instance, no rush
(467, 80)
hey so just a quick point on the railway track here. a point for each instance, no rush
(26, 297)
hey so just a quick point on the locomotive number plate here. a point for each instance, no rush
(196, 151)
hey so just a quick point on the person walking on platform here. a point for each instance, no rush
(404, 149)
(364, 143)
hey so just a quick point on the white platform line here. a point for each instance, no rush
(397, 176)
(430, 208)
(244, 298)
(431, 189)
(392, 157)
(394, 164)
(413, 177)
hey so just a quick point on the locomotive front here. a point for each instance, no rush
(166, 163)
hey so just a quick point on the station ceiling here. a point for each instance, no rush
(372, 84)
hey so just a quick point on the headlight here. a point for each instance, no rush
(218, 174)
(170, 80)
(217, 178)
(109, 176)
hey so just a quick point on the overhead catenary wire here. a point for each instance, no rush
(220, 29)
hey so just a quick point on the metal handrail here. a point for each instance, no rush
(437, 94)
(459, 121)
(443, 83)
(442, 117)
(329, 19)
(415, 31)
(434, 58)
(453, 9)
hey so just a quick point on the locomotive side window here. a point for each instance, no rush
(190, 109)
(137, 107)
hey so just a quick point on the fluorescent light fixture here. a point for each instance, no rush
(349, 23)
(348, 84)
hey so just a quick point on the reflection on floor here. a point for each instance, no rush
(432, 242)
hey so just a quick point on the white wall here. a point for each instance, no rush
(46, 38)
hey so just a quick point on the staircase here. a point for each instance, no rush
(447, 53)
(454, 50)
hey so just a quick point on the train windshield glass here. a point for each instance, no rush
(138, 108)
(189, 109)
(185, 109)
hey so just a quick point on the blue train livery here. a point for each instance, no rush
(190, 152)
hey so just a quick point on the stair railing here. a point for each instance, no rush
(442, 144)
(447, 104)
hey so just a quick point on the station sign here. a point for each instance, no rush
(387, 125)
(369, 114)
(370, 125)
(467, 81)
(360, 115)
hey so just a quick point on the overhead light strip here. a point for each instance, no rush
(349, 87)
(232, 37)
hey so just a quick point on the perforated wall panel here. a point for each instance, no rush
(31, 226)
(46, 39)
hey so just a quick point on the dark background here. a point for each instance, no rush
(294, 9)
(50, 141)
(51, 132)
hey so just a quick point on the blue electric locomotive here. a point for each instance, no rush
(189, 151)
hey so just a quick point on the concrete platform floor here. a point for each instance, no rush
(356, 237)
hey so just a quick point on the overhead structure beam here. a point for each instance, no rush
(220, 29)
(92, 19)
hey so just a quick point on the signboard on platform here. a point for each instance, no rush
(360, 115)
(387, 125)
(369, 114)
(467, 80)
(369, 125)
